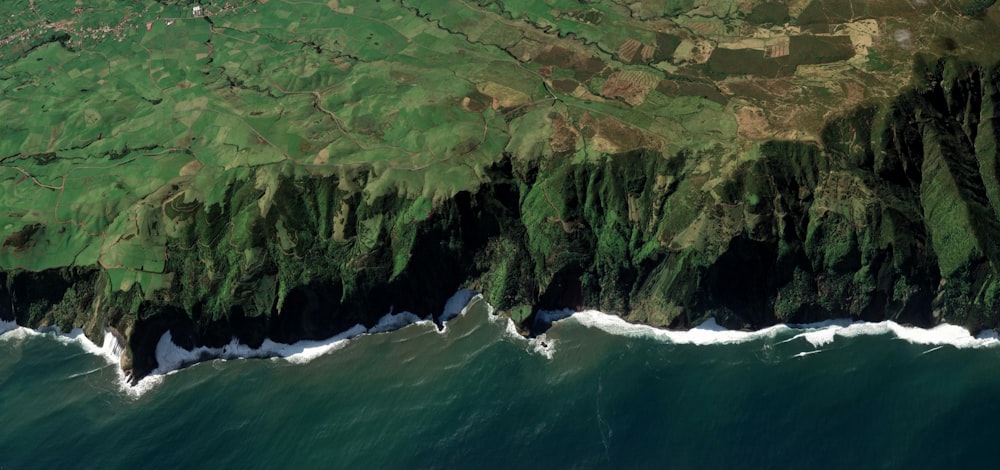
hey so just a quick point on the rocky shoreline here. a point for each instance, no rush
(893, 216)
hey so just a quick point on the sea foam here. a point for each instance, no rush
(548, 317)
(394, 321)
(110, 350)
(943, 334)
(458, 304)
(708, 332)
(817, 334)
(170, 357)
(10, 330)
(540, 344)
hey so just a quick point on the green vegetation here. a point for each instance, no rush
(773, 13)
(876, 62)
(285, 169)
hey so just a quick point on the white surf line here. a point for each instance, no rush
(458, 304)
(932, 350)
(541, 344)
(91, 371)
(709, 332)
(171, 358)
(111, 349)
(808, 353)
(817, 334)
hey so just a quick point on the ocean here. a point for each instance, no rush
(593, 392)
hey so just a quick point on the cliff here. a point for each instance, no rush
(598, 191)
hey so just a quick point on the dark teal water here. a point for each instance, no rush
(475, 397)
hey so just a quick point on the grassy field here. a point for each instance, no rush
(123, 120)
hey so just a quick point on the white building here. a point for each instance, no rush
(197, 11)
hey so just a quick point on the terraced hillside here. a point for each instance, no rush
(287, 169)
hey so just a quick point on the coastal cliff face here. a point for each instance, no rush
(251, 173)
(894, 215)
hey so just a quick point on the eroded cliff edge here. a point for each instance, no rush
(258, 171)
(893, 215)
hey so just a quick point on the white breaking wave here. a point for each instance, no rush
(302, 352)
(935, 348)
(6, 326)
(170, 357)
(510, 328)
(10, 331)
(817, 334)
(458, 304)
(944, 334)
(110, 350)
(541, 344)
(552, 316)
(707, 333)
(391, 322)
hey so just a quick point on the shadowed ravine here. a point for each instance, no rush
(277, 174)
(891, 217)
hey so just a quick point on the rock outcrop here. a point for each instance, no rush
(894, 215)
